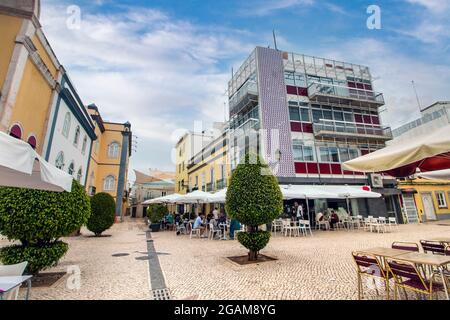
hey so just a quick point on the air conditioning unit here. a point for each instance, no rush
(376, 180)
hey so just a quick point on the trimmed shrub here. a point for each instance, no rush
(156, 212)
(38, 257)
(103, 213)
(253, 198)
(38, 219)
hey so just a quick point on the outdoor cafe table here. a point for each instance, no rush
(9, 283)
(432, 260)
(383, 253)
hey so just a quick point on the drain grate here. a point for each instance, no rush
(161, 294)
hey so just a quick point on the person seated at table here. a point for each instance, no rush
(209, 217)
(334, 218)
(198, 223)
(168, 220)
(216, 213)
(234, 225)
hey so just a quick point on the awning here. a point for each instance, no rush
(428, 153)
(22, 167)
(436, 175)
(196, 197)
(171, 198)
(327, 192)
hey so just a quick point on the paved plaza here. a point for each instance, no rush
(318, 267)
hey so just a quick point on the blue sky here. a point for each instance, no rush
(164, 64)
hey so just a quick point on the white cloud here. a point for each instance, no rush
(263, 8)
(142, 66)
(437, 6)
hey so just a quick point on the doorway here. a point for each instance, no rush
(428, 207)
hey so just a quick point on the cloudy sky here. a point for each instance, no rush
(163, 64)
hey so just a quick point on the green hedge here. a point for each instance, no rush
(103, 213)
(254, 241)
(38, 257)
(38, 219)
(156, 212)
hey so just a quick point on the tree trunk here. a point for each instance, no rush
(252, 255)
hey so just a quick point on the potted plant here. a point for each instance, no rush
(155, 213)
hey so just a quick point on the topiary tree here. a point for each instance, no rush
(253, 198)
(103, 213)
(38, 219)
(155, 212)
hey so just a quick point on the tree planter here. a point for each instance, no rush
(155, 227)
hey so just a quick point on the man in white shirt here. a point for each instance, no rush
(198, 223)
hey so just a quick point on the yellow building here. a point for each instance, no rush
(28, 73)
(431, 198)
(108, 168)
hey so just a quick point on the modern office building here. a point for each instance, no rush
(306, 115)
(425, 200)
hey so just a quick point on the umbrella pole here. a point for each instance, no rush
(307, 209)
(348, 206)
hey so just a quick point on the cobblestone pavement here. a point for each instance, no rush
(318, 267)
(103, 276)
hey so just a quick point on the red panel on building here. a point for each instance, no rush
(291, 90)
(300, 168)
(296, 127)
(351, 84)
(375, 120)
(358, 118)
(325, 168)
(367, 119)
(348, 173)
(364, 152)
(336, 169)
(312, 168)
(302, 91)
(307, 127)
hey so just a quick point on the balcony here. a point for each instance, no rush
(210, 187)
(329, 93)
(246, 97)
(331, 128)
(221, 184)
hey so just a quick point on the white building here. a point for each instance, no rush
(70, 133)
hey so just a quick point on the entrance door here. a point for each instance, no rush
(428, 206)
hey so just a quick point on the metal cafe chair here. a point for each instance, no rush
(407, 276)
(434, 247)
(406, 246)
(369, 266)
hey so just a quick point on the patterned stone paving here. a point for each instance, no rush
(318, 267)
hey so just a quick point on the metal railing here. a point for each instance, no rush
(221, 184)
(351, 128)
(242, 97)
(322, 89)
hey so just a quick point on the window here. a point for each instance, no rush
(317, 115)
(302, 153)
(304, 114)
(109, 183)
(16, 131)
(83, 148)
(442, 201)
(344, 155)
(66, 127)
(334, 155)
(32, 141)
(59, 162)
(353, 153)
(71, 169)
(212, 175)
(289, 78)
(77, 136)
(79, 175)
(113, 151)
(324, 154)
(294, 114)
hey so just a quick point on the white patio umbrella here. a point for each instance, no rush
(436, 175)
(196, 197)
(22, 167)
(170, 198)
(402, 158)
(219, 196)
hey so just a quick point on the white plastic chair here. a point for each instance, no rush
(288, 228)
(194, 231)
(14, 270)
(277, 225)
(213, 231)
(305, 226)
(322, 223)
(392, 222)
